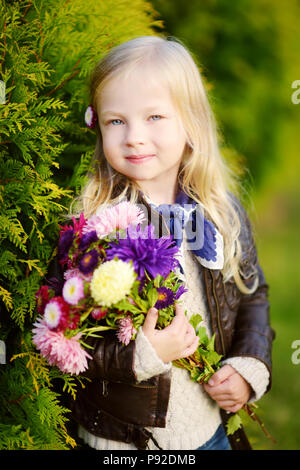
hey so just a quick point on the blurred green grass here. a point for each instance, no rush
(277, 228)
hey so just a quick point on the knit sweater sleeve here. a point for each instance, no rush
(146, 362)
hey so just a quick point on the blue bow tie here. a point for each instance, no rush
(187, 215)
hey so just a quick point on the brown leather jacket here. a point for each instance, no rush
(114, 405)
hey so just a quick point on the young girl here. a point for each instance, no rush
(157, 146)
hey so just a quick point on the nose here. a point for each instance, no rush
(134, 135)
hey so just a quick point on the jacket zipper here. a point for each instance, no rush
(218, 312)
(159, 216)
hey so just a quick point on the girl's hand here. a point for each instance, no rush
(228, 388)
(176, 341)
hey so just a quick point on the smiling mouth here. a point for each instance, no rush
(139, 158)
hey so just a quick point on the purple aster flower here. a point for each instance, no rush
(88, 261)
(155, 255)
(87, 239)
(65, 243)
(166, 297)
(180, 291)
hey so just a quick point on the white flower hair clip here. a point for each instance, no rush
(90, 117)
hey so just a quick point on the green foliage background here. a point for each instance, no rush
(239, 49)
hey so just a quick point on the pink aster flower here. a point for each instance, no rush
(73, 290)
(56, 314)
(113, 218)
(65, 353)
(126, 330)
(90, 117)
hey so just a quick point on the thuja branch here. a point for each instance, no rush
(26, 10)
(4, 44)
(76, 72)
(10, 180)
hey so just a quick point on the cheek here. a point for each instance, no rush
(109, 142)
(172, 134)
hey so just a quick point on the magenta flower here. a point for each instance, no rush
(43, 295)
(78, 225)
(73, 290)
(65, 353)
(126, 330)
(99, 313)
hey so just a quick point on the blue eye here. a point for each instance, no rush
(156, 117)
(115, 122)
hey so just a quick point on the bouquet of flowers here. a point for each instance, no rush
(114, 272)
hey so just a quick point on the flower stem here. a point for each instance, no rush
(208, 364)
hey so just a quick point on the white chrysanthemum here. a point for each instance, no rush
(112, 281)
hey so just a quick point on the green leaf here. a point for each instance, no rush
(157, 281)
(152, 297)
(202, 333)
(212, 357)
(211, 343)
(143, 304)
(233, 424)
(125, 305)
(195, 320)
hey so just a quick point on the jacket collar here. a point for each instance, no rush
(203, 238)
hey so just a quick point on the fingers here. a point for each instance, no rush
(224, 389)
(150, 320)
(231, 393)
(191, 349)
(231, 406)
(152, 316)
(221, 375)
(180, 319)
(176, 341)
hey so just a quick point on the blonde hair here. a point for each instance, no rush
(203, 174)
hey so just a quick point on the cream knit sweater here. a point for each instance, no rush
(192, 416)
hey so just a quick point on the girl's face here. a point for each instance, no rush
(142, 134)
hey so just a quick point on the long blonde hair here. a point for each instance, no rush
(203, 174)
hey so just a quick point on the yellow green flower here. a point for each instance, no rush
(112, 281)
